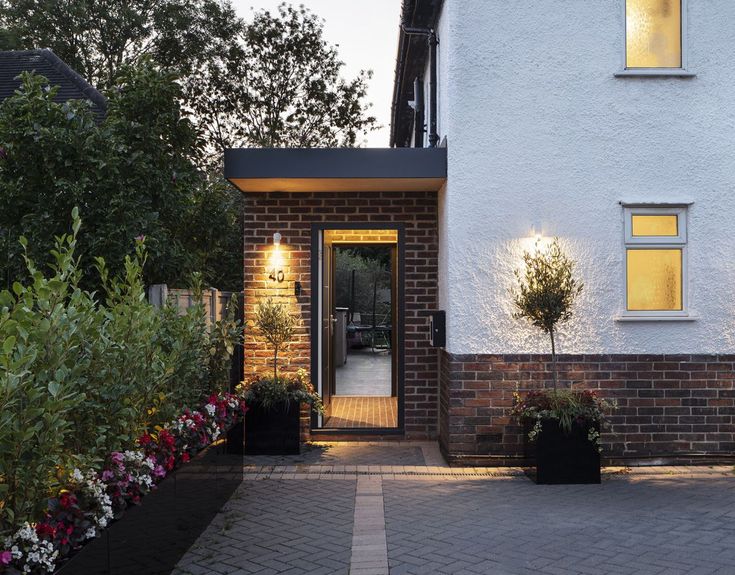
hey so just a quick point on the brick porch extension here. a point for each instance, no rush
(292, 215)
(670, 407)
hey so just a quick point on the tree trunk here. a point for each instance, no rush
(275, 364)
(553, 359)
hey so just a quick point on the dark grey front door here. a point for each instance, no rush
(327, 317)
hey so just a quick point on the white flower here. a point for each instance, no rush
(77, 476)
(91, 533)
(210, 409)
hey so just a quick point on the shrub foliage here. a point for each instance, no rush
(84, 374)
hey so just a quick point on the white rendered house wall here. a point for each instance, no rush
(542, 134)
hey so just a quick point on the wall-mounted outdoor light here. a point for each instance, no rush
(536, 231)
(276, 264)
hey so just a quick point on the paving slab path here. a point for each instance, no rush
(396, 508)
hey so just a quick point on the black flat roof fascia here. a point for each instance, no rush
(304, 163)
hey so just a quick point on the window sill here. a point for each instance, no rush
(648, 318)
(650, 72)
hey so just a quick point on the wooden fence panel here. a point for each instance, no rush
(215, 301)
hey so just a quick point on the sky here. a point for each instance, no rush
(367, 37)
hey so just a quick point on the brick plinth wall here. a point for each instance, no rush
(292, 215)
(670, 407)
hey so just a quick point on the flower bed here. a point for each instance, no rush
(91, 500)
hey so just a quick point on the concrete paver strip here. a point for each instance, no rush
(369, 545)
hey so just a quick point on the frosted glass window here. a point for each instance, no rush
(654, 279)
(656, 226)
(653, 33)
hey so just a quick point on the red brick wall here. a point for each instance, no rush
(669, 406)
(292, 214)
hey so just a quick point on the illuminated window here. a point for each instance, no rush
(654, 34)
(655, 260)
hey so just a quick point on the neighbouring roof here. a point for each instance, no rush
(45, 63)
(336, 169)
(413, 54)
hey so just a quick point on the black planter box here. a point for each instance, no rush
(273, 431)
(565, 458)
(150, 539)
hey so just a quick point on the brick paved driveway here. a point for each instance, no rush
(638, 526)
(410, 518)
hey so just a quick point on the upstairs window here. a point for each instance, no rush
(655, 261)
(653, 34)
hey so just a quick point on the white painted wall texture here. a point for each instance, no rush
(539, 130)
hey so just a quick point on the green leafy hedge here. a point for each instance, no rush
(84, 374)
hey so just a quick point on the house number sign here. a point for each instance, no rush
(276, 276)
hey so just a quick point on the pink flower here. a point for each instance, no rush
(140, 238)
(116, 457)
(159, 471)
(107, 475)
(6, 557)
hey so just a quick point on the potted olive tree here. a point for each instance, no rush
(562, 426)
(272, 424)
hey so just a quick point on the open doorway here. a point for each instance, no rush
(359, 335)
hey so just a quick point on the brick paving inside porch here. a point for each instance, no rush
(362, 412)
(395, 507)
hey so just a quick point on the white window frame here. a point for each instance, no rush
(680, 241)
(682, 72)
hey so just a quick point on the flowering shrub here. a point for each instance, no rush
(89, 501)
(564, 405)
(27, 552)
(84, 374)
(128, 476)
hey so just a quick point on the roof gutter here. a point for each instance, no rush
(406, 16)
(433, 43)
(418, 18)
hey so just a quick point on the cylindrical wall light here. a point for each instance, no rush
(276, 273)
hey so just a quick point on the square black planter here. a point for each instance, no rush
(273, 431)
(563, 458)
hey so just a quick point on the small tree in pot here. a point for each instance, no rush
(564, 423)
(272, 424)
(276, 325)
(546, 292)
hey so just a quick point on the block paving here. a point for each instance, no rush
(384, 515)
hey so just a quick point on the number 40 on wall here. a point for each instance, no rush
(276, 275)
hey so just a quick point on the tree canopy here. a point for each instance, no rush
(133, 174)
(184, 79)
(284, 89)
(271, 82)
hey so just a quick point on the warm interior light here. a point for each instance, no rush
(653, 33)
(277, 239)
(655, 225)
(654, 278)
